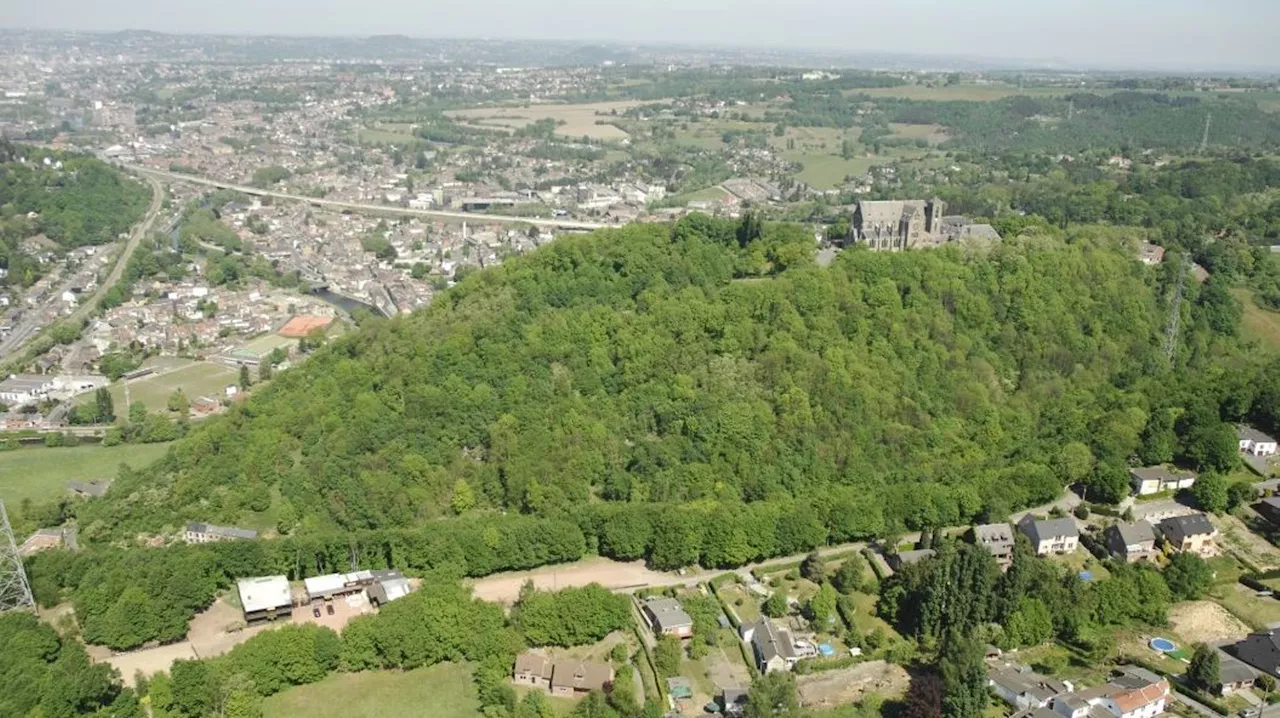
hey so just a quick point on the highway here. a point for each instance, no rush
(31, 326)
(357, 207)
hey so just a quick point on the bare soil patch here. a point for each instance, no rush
(613, 575)
(1205, 622)
(850, 685)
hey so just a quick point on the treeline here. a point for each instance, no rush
(46, 675)
(961, 590)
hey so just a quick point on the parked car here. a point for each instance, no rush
(316, 611)
(329, 607)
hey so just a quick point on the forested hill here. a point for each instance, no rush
(637, 365)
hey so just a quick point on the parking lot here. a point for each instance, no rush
(344, 608)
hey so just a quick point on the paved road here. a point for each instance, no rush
(358, 207)
(28, 330)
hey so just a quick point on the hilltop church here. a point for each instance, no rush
(895, 225)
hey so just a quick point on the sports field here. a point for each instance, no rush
(196, 379)
(578, 120)
(441, 691)
(41, 474)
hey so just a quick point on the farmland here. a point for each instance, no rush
(971, 93)
(441, 691)
(572, 120)
(41, 474)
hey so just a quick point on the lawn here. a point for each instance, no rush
(441, 691)
(743, 602)
(41, 474)
(1259, 324)
(1082, 560)
(1259, 612)
(709, 194)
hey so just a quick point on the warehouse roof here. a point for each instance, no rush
(264, 593)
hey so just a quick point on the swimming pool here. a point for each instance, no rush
(1163, 645)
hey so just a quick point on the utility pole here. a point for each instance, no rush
(1204, 140)
(15, 591)
(1175, 310)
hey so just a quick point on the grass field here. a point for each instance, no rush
(441, 691)
(934, 134)
(195, 379)
(380, 136)
(578, 120)
(827, 171)
(42, 474)
(1258, 323)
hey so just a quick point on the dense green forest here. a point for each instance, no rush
(75, 200)
(638, 366)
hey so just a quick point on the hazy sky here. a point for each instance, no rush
(1128, 33)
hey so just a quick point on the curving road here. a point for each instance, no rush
(358, 207)
(29, 329)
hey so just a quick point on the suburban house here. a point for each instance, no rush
(907, 558)
(1132, 542)
(1050, 536)
(570, 678)
(668, 618)
(88, 489)
(1158, 479)
(773, 647)
(1269, 508)
(997, 539)
(533, 669)
(265, 598)
(1191, 534)
(561, 678)
(1255, 442)
(1023, 688)
(206, 533)
(1260, 650)
(1132, 693)
(1233, 674)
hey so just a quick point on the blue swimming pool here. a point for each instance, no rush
(1163, 645)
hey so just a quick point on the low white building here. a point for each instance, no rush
(1255, 442)
(22, 389)
(265, 597)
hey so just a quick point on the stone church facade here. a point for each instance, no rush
(895, 225)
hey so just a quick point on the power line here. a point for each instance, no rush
(15, 591)
(1204, 139)
(1175, 310)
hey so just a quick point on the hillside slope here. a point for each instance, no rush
(631, 366)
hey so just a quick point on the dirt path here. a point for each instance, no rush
(614, 575)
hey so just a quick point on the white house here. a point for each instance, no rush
(1050, 536)
(1156, 479)
(1255, 442)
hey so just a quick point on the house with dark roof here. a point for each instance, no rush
(1233, 674)
(1023, 688)
(1132, 542)
(773, 647)
(996, 539)
(1190, 534)
(1149, 480)
(1051, 536)
(907, 558)
(667, 617)
(1260, 650)
(1269, 508)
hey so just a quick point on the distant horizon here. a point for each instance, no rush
(1165, 36)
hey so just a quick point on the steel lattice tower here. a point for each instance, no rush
(15, 592)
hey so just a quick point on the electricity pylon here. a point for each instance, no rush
(15, 591)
